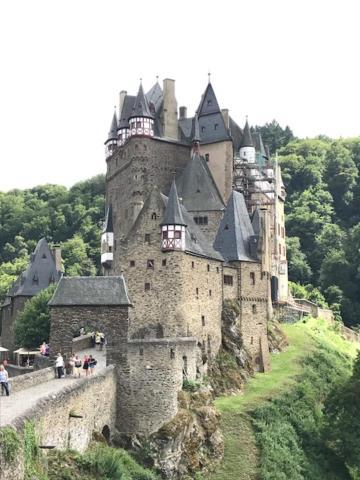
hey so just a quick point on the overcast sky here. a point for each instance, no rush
(64, 62)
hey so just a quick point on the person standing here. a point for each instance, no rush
(71, 364)
(59, 365)
(92, 363)
(4, 378)
(97, 340)
(86, 365)
(78, 365)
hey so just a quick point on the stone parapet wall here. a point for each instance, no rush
(28, 380)
(81, 343)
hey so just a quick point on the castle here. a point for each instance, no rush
(194, 217)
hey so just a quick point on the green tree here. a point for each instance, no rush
(76, 259)
(299, 269)
(32, 325)
(274, 135)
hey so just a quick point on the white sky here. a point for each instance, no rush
(64, 62)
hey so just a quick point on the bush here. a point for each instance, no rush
(10, 443)
(191, 385)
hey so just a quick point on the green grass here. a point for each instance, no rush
(241, 460)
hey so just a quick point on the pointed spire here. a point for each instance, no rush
(108, 224)
(195, 130)
(141, 106)
(208, 103)
(173, 214)
(246, 139)
(113, 127)
(235, 230)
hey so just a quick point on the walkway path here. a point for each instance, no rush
(17, 404)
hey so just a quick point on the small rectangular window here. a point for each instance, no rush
(228, 280)
(147, 286)
(110, 249)
(216, 126)
(150, 264)
(132, 263)
(252, 278)
(210, 293)
(208, 268)
(147, 237)
(197, 291)
(207, 156)
(163, 263)
(254, 308)
(217, 270)
(203, 320)
(172, 353)
(192, 264)
(177, 234)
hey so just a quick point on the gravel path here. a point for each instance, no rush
(17, 404)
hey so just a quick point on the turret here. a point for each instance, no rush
(107, 241)
(111, 141)
(247, 147)
(173, 227)
(141, 120)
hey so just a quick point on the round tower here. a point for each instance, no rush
(173, 227)
(111, 141)
(141, 121)
(247, 147)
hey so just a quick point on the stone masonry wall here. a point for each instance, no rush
(221, 157)
(156, 372)
(230, 292)
(21, 382)
(132, 172)
(8, 317)
(254, 312)
(92, 399)
(214, 218)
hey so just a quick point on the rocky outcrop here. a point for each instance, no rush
(277, 338)
(189, 443)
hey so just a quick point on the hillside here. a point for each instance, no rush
(274, 429)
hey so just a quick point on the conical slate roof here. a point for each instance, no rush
(141, 105)
(40, 272)
(113, 128)
(233, 236)
(195, 129)
(208, 103)
(197, 188)
(155, 96)
(173, 214)
(108, 224)
(126, 111)
(246, 139)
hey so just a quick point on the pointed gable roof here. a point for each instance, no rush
(108, 224)
(40, 272)
(233, 237)
(173, 214)
(113, 128)
(197, 188)
(208, 103)
(126, 111)
(246, 139)
(155, 96)
(141, 105)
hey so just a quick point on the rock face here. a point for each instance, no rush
(277, 338)
(189, 443)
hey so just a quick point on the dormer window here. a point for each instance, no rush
(153, 216)
(203, 129)
(209, 102)
(216, 126)
(35, 279)
(43, 256)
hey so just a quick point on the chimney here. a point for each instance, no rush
(169, 115)
(122, 96)
(225, 114)
(183, 112)
(56, 251)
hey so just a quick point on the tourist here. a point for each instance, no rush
(78, 365)
(59, 365)
(92, 363)
(71, 365)
(43, 348)
(47, 350)
(4, 378)
(86, 365)
(82, 331)
(102, 341)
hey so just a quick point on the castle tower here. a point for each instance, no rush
(169, 113)
(112, 139)
(173, 225)
(247, 147)
(141, 120)
(107, 241)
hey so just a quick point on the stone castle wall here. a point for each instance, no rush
(8, 317)
(220, 162)
(214, 218)
(133, 171)
(92, 400)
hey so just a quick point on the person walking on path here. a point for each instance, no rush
(92, 363)
(97, 340)
(86, 365)
(71, 365)
(78, 365)
(4, 378)
(102, 341)
(59, 365)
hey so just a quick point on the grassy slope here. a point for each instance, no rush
(241, 454)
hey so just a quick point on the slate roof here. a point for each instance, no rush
(197, 188)
(108, 224)
(256, 221)
(155, 96)
(185, 126)
(38, 275)
(126, 111)
(113, 129)
(173, 214)
(246, 139)
(195, 129)
(208, 103)
(73, 291)
(141, 106)
(195, 241)
(236, 133)
(233, 237)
